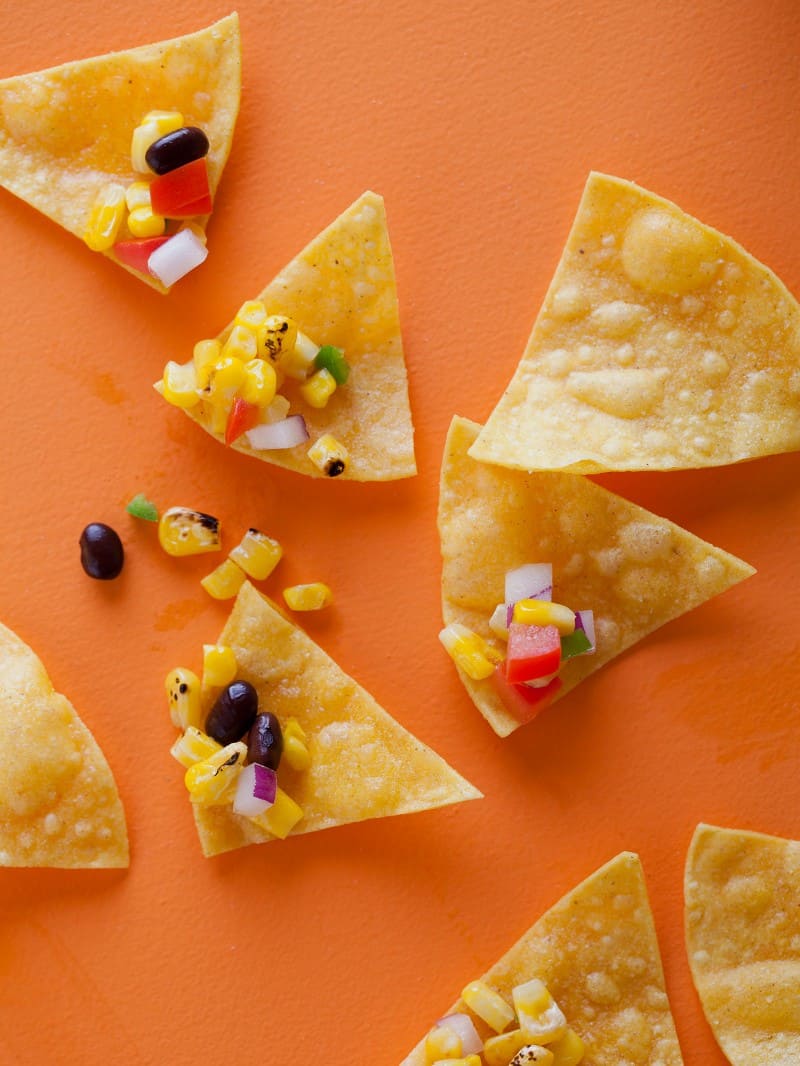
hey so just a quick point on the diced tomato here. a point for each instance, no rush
(135, 253)
(533, 652)
(183, 192)
(522, 702)
(243, 416)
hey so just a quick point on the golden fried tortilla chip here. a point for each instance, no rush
(597, 952)
(743, 939)
(66, 131)
(59, 804)
(363, 763)
(635, 570)
(661, 344)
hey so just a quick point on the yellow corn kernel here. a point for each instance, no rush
(312, 597)
(540, 1018)
(224, 582)
(296, 753)
(292, 728)
(153, 126)
(298, 362)
(143, 222)
(213, 781)
(260, 382)
(252, 314)
(182, 531)
(498, 623)
(442, 1043)
(180, 385)
(328, 455)
(204, 356)
(241, 344)
(277, 336)
(257, 554)
(281, 818)
(500, 1050)
(279, 408)
(569, 1050)
(532, 1053)
(183, 694)
(166, 121)
(318, 389)
(544, 613)
(219, 665)
(105, 218)
(469, 651)
(193, 746)
(470, 1060)
(225, 378)
(137, 195)
(217, 413)
(488, 1005)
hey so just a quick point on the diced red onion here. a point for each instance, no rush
(271, 436)
(173, 260)
(585, 620)
(463, 1026)
(256, 790)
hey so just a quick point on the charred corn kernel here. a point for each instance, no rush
(180, 385)
(182, 531)
(296, 753)
(540, 1018)
(224, 582)
(252, 314)
(318, 389)
(277, 336)
(312, 597)
(281, 818)
(544, 613)
(193, 746)
(569, 1050)
(298, 362)
(257, 554)
(532, 1053)
(143, 222)
(470, 652)
(292, 728)
(442, 1043)
(328, 455)
(241, 344)
(219, 665)
(154, 125)
(498, 623)
(183, 694)
(488, 1005)
(279, 408)
(260, 382)
(500, 1050)
(224, 379)
(137, 195)
(213, 781)
(105, 218)
(204, 355)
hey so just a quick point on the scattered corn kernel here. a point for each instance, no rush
(137, 194)
(499, 1050)
(224, 582)
(260, 382)
(532, 1053)
(180, 385)
(154, 125)
(328, 455)
(224, 379)
(143, 222)
(252, 314)
(569, 1050)
(292, 728)
(212, 781)
(488, 1005)
(298, 362)
(544, 613)
(183, 694)
(219, 665)
(281, 818)
(442, 1043)
(312, 597)
(257, 554)
(498, 623)
(204, 356)
(193, 746)
(279, 408)
(277, 336)
(105, 218)
(182, 531)
(166, 121)
(540, 1017)
(241, 344)
(469, 651)
(296, 753)
(318, 389)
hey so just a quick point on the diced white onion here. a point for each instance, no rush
(534, 581)
(180, 254)
(585, 620)
(255, 790)
(274, 435)
(462, 1025)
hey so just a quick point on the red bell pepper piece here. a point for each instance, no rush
(135, 253)
(242, 416)
(533, 652)
(522, 702)
(183, 192)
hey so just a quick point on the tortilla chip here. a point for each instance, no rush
(59, 804)
(597, 952)
(341, 290)
(661, 345)
(66, 131)
(363, 763)
(743, 939)
(635, 570)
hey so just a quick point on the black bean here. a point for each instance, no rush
(265, 744)
(101, 551)
(176, 149)
(233, 713)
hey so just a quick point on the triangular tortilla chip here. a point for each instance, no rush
(59, 804)
(363, 763)
(743, 940)
(597, 952)
(341, 290)
(635, 570)
(66, 131)
(661, 344)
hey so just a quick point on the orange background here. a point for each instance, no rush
(478, 122)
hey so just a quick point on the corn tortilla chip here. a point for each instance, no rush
(59, 804)
(341, 291)
(635, 570)
(66, 131)
(661, 344)
(363, 763)
(597, 952)
(743, 939)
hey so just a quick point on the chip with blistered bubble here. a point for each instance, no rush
(661, 345)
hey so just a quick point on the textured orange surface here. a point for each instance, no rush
(478, 123)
